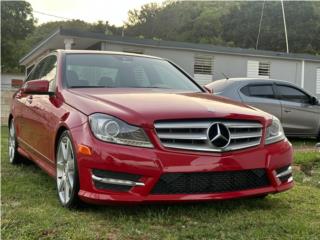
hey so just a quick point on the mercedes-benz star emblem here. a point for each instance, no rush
(219, 135)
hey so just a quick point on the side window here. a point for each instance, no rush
(35, 73)
(262, 91)
(292, 94)
(29, 69)
(49, 71)
(245, 91)
(45, 70)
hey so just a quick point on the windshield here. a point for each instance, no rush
(124, 71)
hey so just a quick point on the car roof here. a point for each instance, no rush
(247, 80)
(104, 52)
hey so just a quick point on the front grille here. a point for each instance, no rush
(211, 182)
(192, 135)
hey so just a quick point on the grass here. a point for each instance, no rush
(30, 210)
(303, 143)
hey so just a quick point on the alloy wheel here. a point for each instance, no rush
(65, 170)
(12, 143)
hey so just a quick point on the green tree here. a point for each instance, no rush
(145, 19)
(16, 23)
(241, 26)
(230, 23)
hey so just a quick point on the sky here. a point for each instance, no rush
(113, 11)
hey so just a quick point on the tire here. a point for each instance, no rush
(67, 177)
(14, 156)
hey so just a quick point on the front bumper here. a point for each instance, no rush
(151, 164)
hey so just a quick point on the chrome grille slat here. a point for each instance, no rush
(242, 125)
(187, 136)
(173, 125)
(244, 145)
(192, 135)
(246, 135)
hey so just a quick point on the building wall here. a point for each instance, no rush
(7, 91)
(310, 71)
(286, 70)
(230, 65)
(6, 80)
(6, 98)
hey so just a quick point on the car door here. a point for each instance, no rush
(46, 111)
(39, 117)
(299, 115)
(261, 96)
(24, 116)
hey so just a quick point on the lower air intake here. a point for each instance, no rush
(210, 182)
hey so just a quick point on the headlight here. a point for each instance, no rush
(274, 132)
(111, 129)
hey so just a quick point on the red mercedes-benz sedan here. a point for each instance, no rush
(125, 128)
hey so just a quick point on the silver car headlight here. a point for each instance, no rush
(274, 132)
(114, 130)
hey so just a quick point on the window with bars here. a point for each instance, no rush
(264, 69)
(203, 64)
(258, 69)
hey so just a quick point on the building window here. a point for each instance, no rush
(318, 81)
(203, 65)
(258, 69)
(203, 68)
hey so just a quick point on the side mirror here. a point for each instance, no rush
(208, 89)
(36, 87)
(314, 101)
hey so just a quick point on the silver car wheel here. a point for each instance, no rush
(65, 170)
(12, 142)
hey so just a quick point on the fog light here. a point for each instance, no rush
(285, 174)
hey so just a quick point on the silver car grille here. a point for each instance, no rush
(194, 135)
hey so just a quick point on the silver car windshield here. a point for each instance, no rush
(124, 71)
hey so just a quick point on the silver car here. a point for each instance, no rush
(298, 111)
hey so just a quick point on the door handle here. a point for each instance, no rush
(287, 111)
(29, 99)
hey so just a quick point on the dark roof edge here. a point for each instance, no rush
(217, 51)
(166, 44)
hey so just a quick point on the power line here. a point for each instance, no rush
(51, 15)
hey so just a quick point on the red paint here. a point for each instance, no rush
(36, 87)
(38, 121)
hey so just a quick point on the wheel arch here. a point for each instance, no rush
(9, 119)
(59, 131)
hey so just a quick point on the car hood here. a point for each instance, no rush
(145, 106)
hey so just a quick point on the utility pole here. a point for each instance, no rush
(257, 42)
(285, 26)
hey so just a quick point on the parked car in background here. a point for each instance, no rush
(125, 128)
(298, 110)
